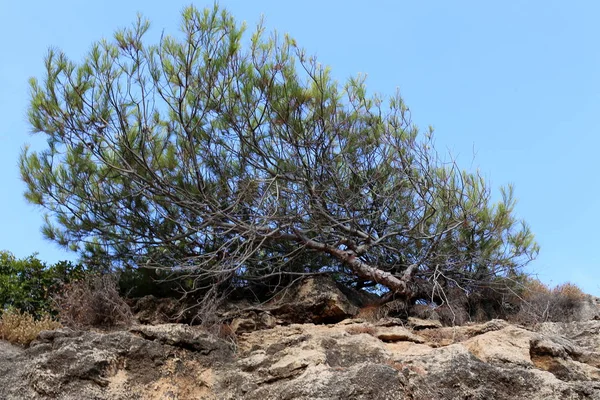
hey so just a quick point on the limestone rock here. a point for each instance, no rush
(589, 310)
(187, 337)
(308, 361)
(398, 334)
(583, 333)
(316, 299)
(508, 345)
(250, 321)
(418, 323)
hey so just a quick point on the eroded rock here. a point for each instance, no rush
(316, 299)
(249, 321)
(397, 334)
(184, 336)
(308, 361)
(509, 345)
(418, 323)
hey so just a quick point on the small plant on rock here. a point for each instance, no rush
(22, 328)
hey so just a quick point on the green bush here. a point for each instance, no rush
(140, 282)
(28, 284)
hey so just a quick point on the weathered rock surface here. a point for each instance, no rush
(153, 310)
(164, 362)
(347, 360)
(419, 323)
(184, 336)
(250, 320)
(589, 310)
(316, 299)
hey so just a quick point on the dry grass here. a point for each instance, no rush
(92, 302)
(225, 332)
(22, 328)
(570, 291)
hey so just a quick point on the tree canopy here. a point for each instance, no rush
(237, 160)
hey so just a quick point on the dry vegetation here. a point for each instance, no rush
(22, 328)
(541, 303)
(94, 301)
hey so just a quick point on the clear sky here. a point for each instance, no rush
(515, 84)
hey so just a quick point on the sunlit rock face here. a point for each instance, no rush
(351, 359)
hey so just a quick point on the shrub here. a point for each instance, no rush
(28, 284)
(569, 292)
(140, 282)
(492, 301)
(22, 328)
(92, 302)
(540, 303)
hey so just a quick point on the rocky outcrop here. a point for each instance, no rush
(347, 360)
(152, 310)
(186, 337)
(589, 309)
(150, 362)
(308, 343)
(316, 299)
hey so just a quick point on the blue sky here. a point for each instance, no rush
(516, 85)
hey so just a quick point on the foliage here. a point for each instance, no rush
(140, 282)
(22, 328)
(250, 166)
(92, 302)
(28, 284)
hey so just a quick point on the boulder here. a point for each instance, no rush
(249, 321)
(508, 345)
(316, 299)
(589, 309)
(582, 333)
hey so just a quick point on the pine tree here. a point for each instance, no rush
(237, 160)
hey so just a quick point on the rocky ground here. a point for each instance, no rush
(350, 359)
